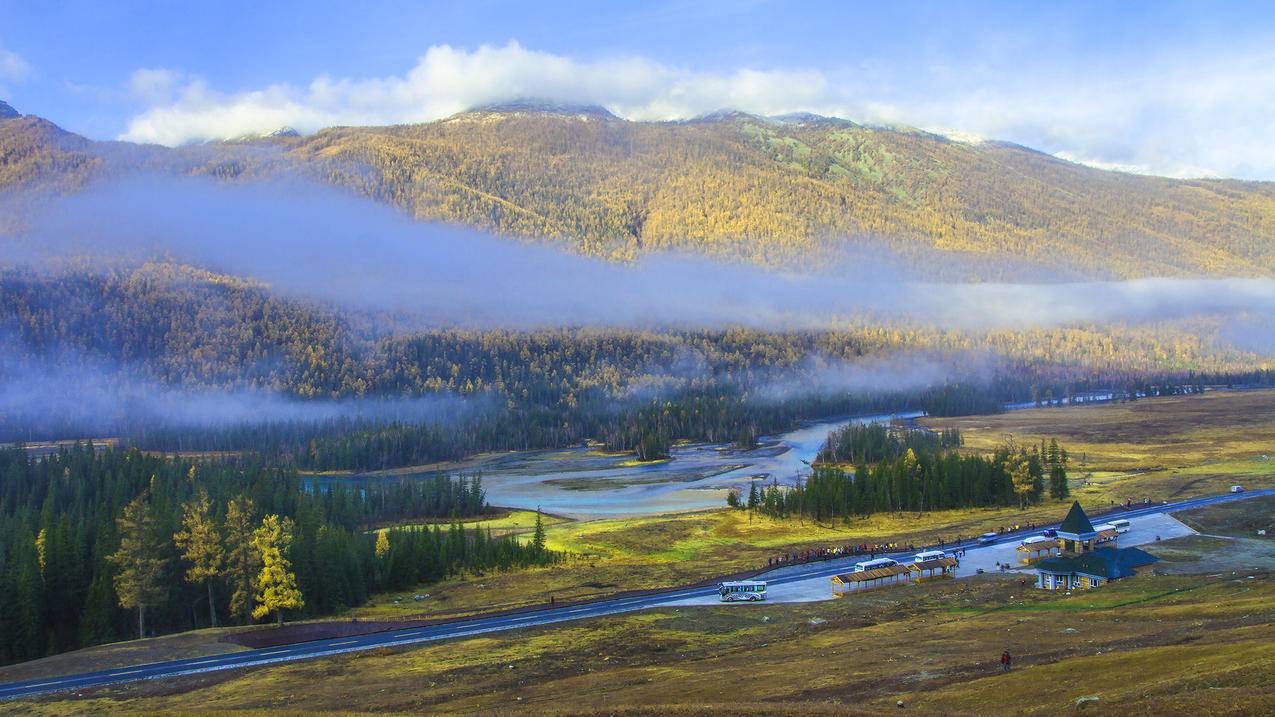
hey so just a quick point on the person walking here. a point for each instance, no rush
(1005, 660)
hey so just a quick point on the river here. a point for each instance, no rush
(583, 482)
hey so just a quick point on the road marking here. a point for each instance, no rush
(204, 662)
(276, 652)
(332, 644)
(42, 684)
(124, 672)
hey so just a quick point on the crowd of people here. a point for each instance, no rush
(872, 549)
(835, 551)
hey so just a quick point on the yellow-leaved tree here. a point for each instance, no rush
(276, 584)
(382, 545)
(139, 580)
(200, 543)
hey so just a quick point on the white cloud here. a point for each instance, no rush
(447, 80)
(1183, 117)
(154, 85)
(12, 67)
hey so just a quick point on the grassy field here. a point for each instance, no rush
(510, 521)
(1160, 645)
(1163, 448)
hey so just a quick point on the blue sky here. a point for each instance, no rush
(1180, 89)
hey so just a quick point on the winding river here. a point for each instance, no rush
(583, 482)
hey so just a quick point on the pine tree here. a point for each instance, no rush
(538, 537)
(276, 584)
(200, 542)
(242, 559)
(139, 565)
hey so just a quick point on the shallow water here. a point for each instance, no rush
(579, 482)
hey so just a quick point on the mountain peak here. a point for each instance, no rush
(284, 131)
(547, 107)
(7, 111)
(810, 118)
(725, 115)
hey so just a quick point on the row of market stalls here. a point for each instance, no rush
(921, 570)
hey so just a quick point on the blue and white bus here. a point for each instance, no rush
(742, 590)
(867, 565)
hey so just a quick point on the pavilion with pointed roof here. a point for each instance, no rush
(1076, 534)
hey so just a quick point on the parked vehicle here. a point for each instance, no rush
(742, 591)
(1049, 533)
(1120, 524)
(928, 555)
(1237, 489)
(874, 564)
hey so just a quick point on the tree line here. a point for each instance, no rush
(914, 474)
(100, 544)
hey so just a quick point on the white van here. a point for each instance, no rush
(874, 564)
(1120, 524)
(926, 555)
(1237, 489)
(987, 538)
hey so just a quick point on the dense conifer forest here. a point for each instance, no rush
(900, 470)
(100, 545)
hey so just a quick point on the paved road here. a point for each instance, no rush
(479, 625)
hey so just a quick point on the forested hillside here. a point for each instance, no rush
(94, 351)
(788, 192)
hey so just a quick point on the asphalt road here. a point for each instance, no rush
(479, 625)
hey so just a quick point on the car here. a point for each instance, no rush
(1049, 533)
(1237, 489)
(987, 538)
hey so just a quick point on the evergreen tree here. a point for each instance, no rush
(538, 537)
(243, 561)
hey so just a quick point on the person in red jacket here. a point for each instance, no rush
(1005, 659)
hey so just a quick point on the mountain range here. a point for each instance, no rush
(790, 191)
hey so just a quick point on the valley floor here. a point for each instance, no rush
(1197, 639)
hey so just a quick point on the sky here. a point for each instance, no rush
(1179, 89)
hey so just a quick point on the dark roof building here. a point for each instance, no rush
(1091, 569)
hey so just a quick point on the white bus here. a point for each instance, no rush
(928, 555)
(1120, 524)
(874, 564)
(747, 590)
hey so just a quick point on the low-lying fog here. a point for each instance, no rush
(315, 241)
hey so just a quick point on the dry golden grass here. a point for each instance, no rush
(1176, 642)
